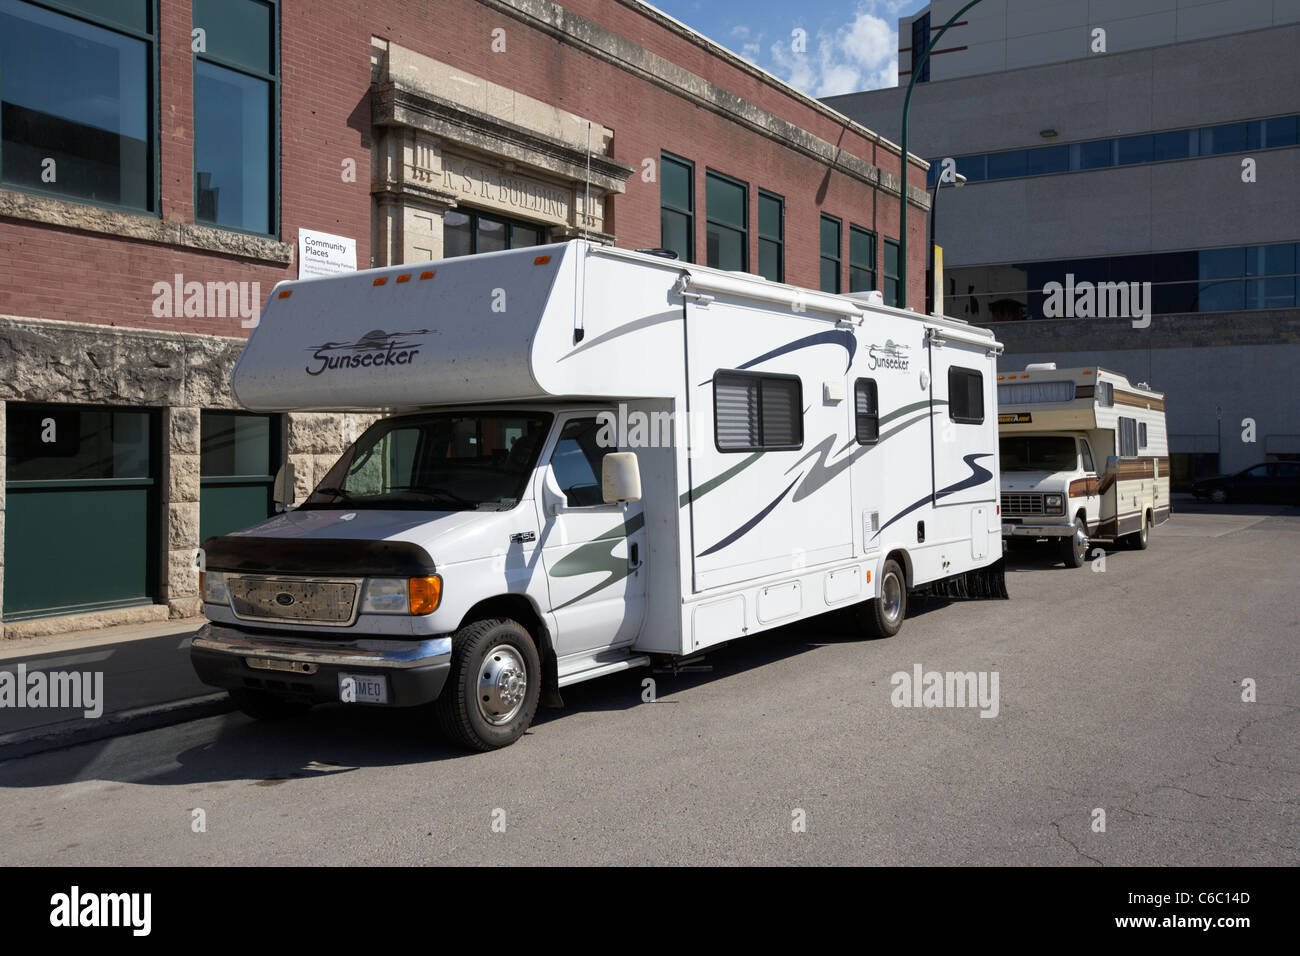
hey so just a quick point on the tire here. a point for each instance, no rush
(1138, 540)
(883, 616)
(492, 691)
(1219, 496)
(1074, 549)
(260, 705)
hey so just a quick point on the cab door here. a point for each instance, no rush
(592, 552)
(1092, 500)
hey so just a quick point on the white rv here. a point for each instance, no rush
(592, 458)
(1085, 455)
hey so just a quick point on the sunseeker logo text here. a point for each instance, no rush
(374, 350)
(75, 908)
(889, 355)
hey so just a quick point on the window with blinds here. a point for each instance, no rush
(965, 395)
(757, 412)
(1034, 393)
(1128, 441)
(866, 411)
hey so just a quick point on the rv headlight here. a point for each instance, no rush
(212, 584)
(1053, 502)
(386, 596)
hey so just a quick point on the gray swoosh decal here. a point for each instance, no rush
(978, 476)
(748, 526)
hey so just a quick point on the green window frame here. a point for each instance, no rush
(771, 236)
(137, 21)
(862, 259)
(831, 257)
(726, 219)
(677, 205)
(232, 51)
(893, 289)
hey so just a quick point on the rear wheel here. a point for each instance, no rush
(883, 616)
(1138, 539)
(1075, 547)
(491, 693)
(1219, 496)
(260, 705)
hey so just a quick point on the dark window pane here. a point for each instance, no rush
(1047, 159)
(891, 258)
(769, 260)
(457, 234)
(1229, 138)
(921, 43)
(1175, 298)
(1130, 269)
(1221, 296)
(132, 14)
(232, 148)
(726, 202)
(675, 233)
(1275, 260)
(965, 395)
(1222, 263)
(1175, 145)
(1094, 155)
(769, 217)
(522, 236)
(782, 415)
(830, 237)
(1006, 165)
(61, 442)
(1274, 293)
(862, 248)
(866, 411)
(675, 185)
(1135, 149)
(78, 95)
(726, 248)
(1282, 131)
(830, 276)
(490, 236)
(1174, 267)
(235, 444)
(861, 280)
(932, 174)
(972, 167)
(239, 31)
(578, 462)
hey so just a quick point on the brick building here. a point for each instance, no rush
(160, 157)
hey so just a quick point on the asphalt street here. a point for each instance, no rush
(1119, 690)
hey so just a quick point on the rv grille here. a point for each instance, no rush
(1014, 505)
(300, 600)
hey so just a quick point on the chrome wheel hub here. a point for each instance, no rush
(891, 597)
(502, 684)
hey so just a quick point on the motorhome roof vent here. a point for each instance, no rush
(1041, 367)
(660, 252)
(874, 297)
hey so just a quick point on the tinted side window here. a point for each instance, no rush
(965, 395)
(1087, 455)
(577, 463)
(866, 411)
(1127, 437)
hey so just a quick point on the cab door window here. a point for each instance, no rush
(1087, 455)
(577, 463)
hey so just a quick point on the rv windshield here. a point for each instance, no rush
(448, 461)
(1038, 453)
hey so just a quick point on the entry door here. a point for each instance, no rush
(594, 553)
(963, 436)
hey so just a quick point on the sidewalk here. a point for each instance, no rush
(147, 682)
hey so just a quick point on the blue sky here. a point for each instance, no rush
(850, 44)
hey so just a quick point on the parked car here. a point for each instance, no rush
(1271, 481)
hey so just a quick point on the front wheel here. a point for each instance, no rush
(491, 693)
(1219, 496)
(883, 616)
(1075, 547)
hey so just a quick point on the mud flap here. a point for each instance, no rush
(981, 584)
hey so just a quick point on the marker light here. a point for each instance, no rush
(425, 594)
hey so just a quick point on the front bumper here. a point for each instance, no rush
(298, 666)
(1037, 530)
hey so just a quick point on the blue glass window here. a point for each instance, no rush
(76, 103)
(235, 115)
(1135, 149)
(1282, 131)
(677, 206)
(1047, 159)
(1093, 155)
(1006, 165)
(1222, 263)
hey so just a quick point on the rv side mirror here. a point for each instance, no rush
(283, 489)
(620, 478)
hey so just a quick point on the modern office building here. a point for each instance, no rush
(1111, 144)
(161, 161)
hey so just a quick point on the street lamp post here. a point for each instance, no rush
(907, 103)
(931, 290)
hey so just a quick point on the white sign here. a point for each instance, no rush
(320, 254)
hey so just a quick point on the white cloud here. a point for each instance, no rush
(861, 54)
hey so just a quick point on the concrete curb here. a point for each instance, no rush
(25, 743)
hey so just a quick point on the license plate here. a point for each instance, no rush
(1008, 529)
(363, 689)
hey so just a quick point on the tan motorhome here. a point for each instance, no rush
(1084, 456)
